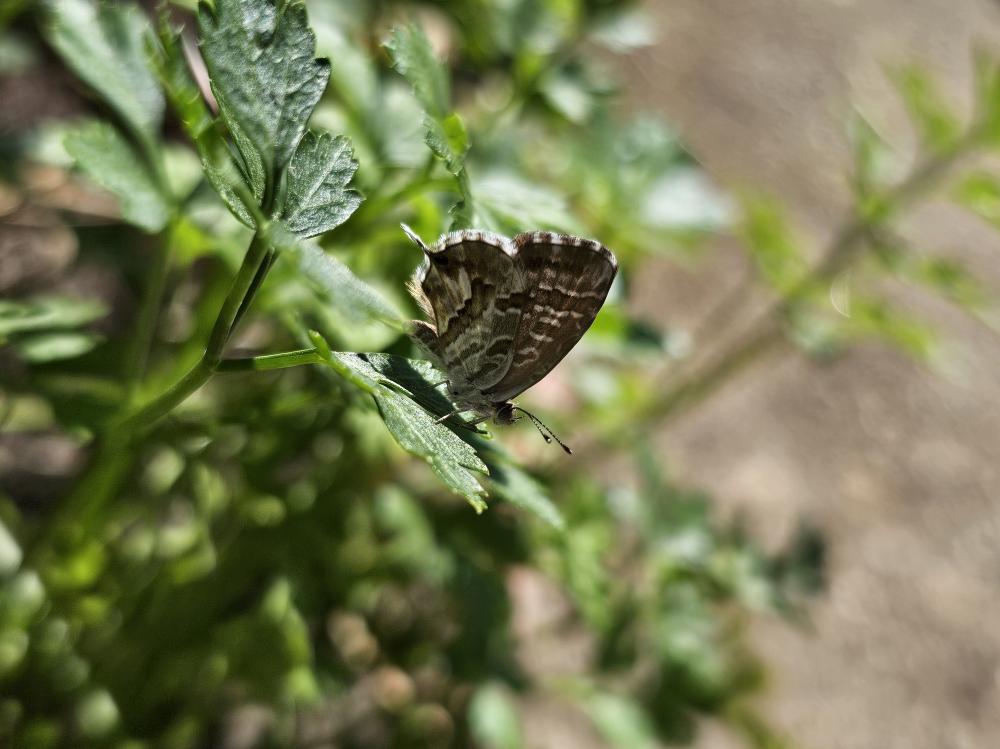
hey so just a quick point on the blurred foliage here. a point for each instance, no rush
(233, 555)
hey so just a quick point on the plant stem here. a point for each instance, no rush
(144, 417)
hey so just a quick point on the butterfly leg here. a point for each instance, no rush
(447, 416)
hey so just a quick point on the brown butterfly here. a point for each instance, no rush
(506, 311)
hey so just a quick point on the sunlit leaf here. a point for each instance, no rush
(494, 720)
(507, 203)
(626, 30)
(353, 298)
(414, 428)
(318, 198)
(448, 140)
(48, 312)
(10, 555)
(263, 70)
(413, 56)
(46, 347)
(515, 485)
(103, 44)
(684, 199)
(108, 159)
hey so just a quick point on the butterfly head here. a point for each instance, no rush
(505, 413)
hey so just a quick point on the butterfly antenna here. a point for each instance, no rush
(413, 236)
(542, 429)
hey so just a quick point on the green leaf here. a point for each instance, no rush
(952, 280)
(448, 140)
(355, 299)
(263, 72)
(494, 720)
(104, 46)
(318, 197)
(771, 244)
(412, 55)
(109, 160)
(199, 124)
(46, 347)
(395, 383)
(621, 721)
(221, 180)
(987, 93)
(876, 318)
(517, 487)
(46, 313)
(507, 203)
(167, 58)
(979, 192)
(932, 117)
(875, 166)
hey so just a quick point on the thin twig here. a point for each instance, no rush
(768, 332)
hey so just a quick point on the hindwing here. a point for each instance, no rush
(475, 293)
(566, 280)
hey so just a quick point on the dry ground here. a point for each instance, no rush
(899, 465)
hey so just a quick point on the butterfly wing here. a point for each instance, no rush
(475, 293)
(566, 281)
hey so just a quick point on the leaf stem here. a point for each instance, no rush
(270, 362)
(142, 337)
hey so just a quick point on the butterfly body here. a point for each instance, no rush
(504, 311)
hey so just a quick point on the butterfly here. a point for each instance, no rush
(502, 312)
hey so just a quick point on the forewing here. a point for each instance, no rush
(476, 296)
(566, 281)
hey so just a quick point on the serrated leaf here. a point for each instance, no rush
(250, 160)
(108, 159)
(318, 198)
(354, 298)
(104, 46)
(199, 124)
(936, 125)
(507, 203)
(452, 459)
(223, 185)
(46, 313)
(448, 140)
(167, 58)
(261, 62)
(412, 55)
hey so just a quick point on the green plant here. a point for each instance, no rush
(249, 549)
